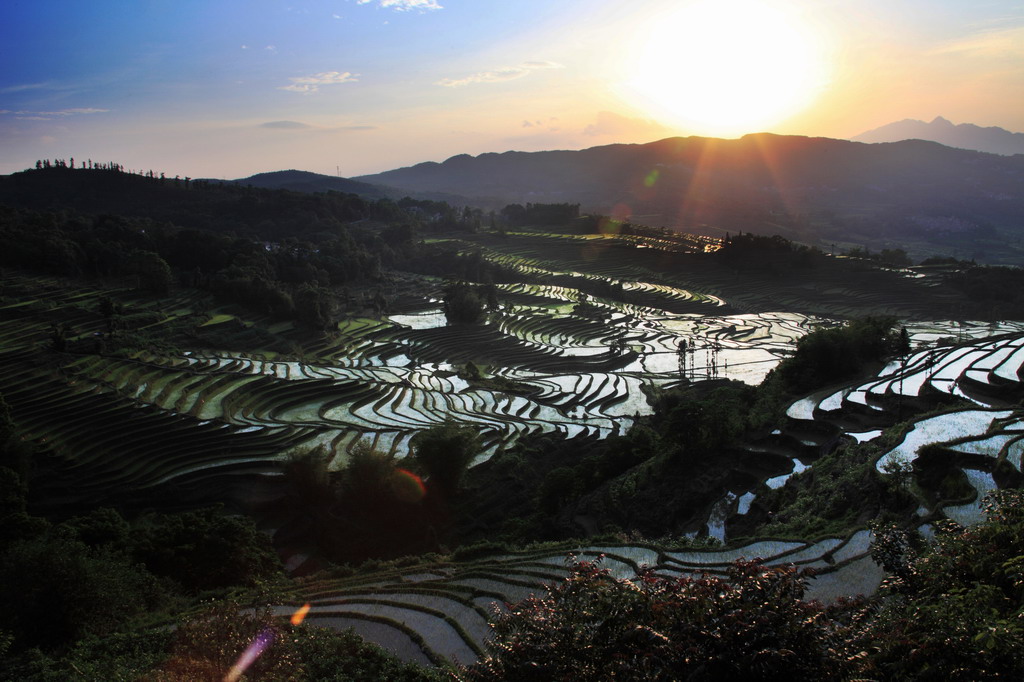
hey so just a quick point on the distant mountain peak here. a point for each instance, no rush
(993, 140)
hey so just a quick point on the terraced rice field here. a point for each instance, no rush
(579, 374)
(986, 371)
(199, 419)
(423, 601)
(579, 370)
(437, 612)
(576, 376)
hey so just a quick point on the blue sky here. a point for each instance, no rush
(227, 88)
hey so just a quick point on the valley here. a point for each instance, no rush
(645, 399)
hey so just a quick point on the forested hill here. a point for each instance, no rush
(813, 189)
(304, 181)
(225, 208)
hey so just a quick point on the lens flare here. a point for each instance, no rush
(263, 640)
(300, 615)
(621, 212)
(407, 486)
(652, 178)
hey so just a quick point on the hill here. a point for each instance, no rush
(993, 139)
(304, 181)
(313, 183)
(196, 204)
(816, 190)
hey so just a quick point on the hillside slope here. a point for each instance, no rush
(813, 189)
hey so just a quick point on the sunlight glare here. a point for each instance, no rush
(263, 639)
(300, 615)
(726, 67)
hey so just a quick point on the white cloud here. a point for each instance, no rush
(299, 125)
(310, 84)
(47, 115)
(405, 5)
(27, 86)
(505, 73)
(73, 112)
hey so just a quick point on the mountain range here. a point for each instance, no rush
(816, 190)
(963, 136)
(922, 196)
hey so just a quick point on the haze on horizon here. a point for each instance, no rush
(231, 88)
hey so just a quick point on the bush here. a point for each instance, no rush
(754, 626)
(54, 591)
(329, 656)
(210, 644)
(954, 611)
(828, 355)
(205, 549)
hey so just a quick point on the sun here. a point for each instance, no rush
(725, 67)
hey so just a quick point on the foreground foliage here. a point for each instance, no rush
(949, 611)
(752, 625)
(954, 611)
(210, 644)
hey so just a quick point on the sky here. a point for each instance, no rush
(229, 88)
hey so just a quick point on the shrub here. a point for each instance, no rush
(54, 591)
(954, 611)
(828, 355)
(205, 549)
(754, 625)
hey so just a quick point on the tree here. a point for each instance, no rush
(367, 477)
(204, 549)
(152, 271)
(313, 306)
(445, 452)
(59, 337)
(462, 305)
(492, 297)
(828, 355)
(897, 257)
